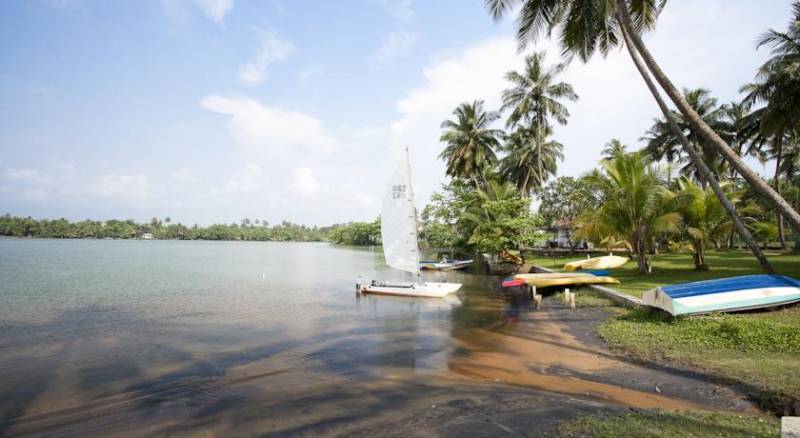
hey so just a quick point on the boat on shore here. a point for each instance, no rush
(564, 279)
(724, 295)
(444, 265)
(604, 262)
(400, 241)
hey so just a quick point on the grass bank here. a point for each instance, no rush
(678, 268)
(758, 350)
(661, 424)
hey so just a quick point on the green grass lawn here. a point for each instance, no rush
(660, 424)
(678, 268)
(758, 349)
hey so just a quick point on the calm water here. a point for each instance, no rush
(171, 336)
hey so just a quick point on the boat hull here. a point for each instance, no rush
(605, 262)
(724, 295)
(427, 289)
(444, 266)
(564, 279)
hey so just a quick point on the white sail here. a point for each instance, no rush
(399, 221)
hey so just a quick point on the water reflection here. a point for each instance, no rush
(101, 337)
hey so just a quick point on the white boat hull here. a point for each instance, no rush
(724, 295)
(445, 266)
(426, 289)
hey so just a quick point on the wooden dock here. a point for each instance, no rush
(620, 297)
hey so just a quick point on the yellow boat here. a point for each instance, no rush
(564, 279)
(551, 275)
(604, 262)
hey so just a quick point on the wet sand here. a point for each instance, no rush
(519, 378)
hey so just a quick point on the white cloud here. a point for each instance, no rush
(271, 48)
(366, 201)
(133, 186)
(394, 46)
(251, 180)
(216, 10)
(33, 194)
(259, 127)
(305, 184)
(400, 10)
(26, 176)
(184, 176)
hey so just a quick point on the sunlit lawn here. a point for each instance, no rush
(678, 268)
(759, 349)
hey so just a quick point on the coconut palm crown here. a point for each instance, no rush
(470, 141)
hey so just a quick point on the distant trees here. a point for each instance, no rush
(129, 229)
(356, 233)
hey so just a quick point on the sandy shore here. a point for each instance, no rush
(521, 378)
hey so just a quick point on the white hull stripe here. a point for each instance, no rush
(723, 298)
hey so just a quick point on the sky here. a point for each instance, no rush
(210, 111)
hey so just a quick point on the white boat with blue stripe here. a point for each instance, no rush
(724, 294)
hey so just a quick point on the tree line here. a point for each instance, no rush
(633, 199)
(246, 229)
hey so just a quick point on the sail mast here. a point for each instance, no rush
(413, 209)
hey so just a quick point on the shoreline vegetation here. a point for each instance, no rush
(757, 351)
(353, 233)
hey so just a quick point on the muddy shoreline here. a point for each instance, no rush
(521, 377)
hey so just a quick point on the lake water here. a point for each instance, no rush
(177, 336)
(158, 338)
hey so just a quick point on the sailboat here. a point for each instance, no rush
(400, 242)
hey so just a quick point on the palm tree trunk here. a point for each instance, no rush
(641, 253)
(778, 155)
(695, 157)
(700, 127)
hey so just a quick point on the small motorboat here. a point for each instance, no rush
(604, 262)
(724, 294)
(443, 265)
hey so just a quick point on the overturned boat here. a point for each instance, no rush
(604, 262)
(724, 294)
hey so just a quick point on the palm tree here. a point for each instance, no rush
(777, 86)
(663, 143)
(532, 159)
(704, 219)
(534, 97)
(587, 26)
(702, 167)
(470, 141)
(613, 149)
(633, 202)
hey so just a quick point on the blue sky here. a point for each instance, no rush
(214, 110)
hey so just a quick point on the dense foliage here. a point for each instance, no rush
(130, 229)
(356, 233)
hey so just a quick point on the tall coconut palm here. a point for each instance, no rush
(470, 141)
(633, 197)
(613, 148)
(663, 143)
(777, 86)
(588, 26)
(535, 96)
(532, 159)
(702, 167)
